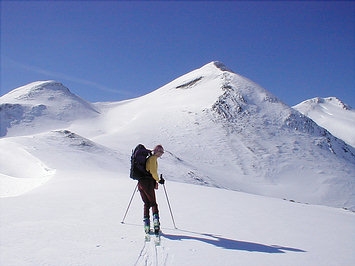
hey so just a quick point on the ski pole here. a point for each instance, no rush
(171, 213)
(129, 204)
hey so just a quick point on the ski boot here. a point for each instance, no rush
(146, 225)
(156, 224)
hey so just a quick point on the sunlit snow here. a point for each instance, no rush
(251, 180)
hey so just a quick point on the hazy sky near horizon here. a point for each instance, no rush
(117, 50)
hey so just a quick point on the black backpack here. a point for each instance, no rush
(138, 160)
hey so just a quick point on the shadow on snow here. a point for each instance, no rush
(226, 243)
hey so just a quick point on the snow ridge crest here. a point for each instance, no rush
(222, 66)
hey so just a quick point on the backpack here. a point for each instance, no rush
(138, 160)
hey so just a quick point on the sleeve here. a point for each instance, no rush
(152, 167)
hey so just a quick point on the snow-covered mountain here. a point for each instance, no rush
(64, 177)
(219, 129)
(40, 106)
(332, 114)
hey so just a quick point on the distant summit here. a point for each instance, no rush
(40, 105)
(311, 103)
(35, 90)
(332, 114)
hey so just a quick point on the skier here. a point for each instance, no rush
(146, 187)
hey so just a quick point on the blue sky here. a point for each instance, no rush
(113, 50)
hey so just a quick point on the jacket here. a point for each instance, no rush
(152, 167)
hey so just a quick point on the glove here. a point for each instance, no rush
(162, 180)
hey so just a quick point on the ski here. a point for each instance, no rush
(157, 239)
(147, 229)
(147, 237)
(154, 231)
(152, 234)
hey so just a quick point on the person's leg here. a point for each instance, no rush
(143, 190)
(150, 193)
(154, 205)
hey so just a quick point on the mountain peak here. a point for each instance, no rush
(221, 66)
(332, 114)
(312, 103)
(217, 64)
(36, 89)
(336, 101)
(40, 105)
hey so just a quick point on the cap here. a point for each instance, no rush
(158, 148)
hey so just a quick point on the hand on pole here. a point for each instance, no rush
(162, 180)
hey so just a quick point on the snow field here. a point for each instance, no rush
(82, 211)
(65, 186)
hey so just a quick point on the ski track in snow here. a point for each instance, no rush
(150, 254)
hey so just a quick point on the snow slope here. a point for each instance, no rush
(65, 186)
(75, 220)
(332, 114)
(21, 171)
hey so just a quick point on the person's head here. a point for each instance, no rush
(158, 150)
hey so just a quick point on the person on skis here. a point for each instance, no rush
(146, 187)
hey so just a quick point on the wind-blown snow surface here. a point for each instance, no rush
(332, 114)
(219, 130)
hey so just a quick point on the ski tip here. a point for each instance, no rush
(157, 240)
